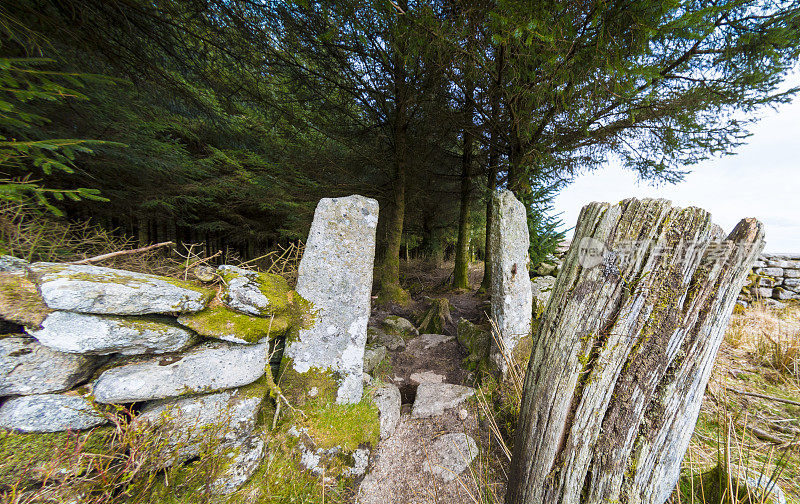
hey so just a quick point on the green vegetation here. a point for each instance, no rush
(221, 322)
(20, 301)
(224, 126)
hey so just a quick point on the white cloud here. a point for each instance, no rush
(762, 180)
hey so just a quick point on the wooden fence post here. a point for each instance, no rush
(624, 353)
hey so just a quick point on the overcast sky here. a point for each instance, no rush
(762, 180)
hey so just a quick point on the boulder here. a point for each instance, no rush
(541, 289)
(512, 302)
(102, 335)
(387, 400)
(260, 294)
(434, 398)
(228, 417)
(546, 269)
(106, 291)
(782, 294)
(791, 273)
(767, 282)
(792, 283)
(475, 340)
(244, 457)
(223, 323)
(373, 355)
(391, 341)
(49, 413)
(772, 272)
(205, 368)
(11, 264)
(773, 304)
(27, 367)
(426, 342)
(762, 292)
(449, 455)
(20, 301)
(399, 326)
(425, 377)
(335, 277)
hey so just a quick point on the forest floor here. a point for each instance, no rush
(400, 469)
(749, 422)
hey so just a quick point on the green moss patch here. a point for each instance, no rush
(26, 459)
(223, 323)
(282, 479)
(274, 287)
(347, 426)
(329, 424)
(476, 340)
(20, 301)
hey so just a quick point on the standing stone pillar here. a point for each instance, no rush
(511, 286)
(335, 277)
(624, 352)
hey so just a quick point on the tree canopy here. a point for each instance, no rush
(224, 121)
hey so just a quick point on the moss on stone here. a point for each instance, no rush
(314, 393)
(223, 323)
(20, 301)
(274, 287)
(311, 389)
(477, 342)
(347, 426)
(28, 458)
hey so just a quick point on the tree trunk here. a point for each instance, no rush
(494, 158)
(624, 353)
(491, 183)
(390, 289)
(461, 270)
(432, 240)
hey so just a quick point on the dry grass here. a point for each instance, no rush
(748, 424)
(28, 234)
(737, 435)
(116, 464)
(770, 337)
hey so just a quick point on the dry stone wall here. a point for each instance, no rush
(112, 337)
(775, 277)
(190, 360)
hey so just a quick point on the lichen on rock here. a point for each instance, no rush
(254, 293)
(95, 289)
(20, 301)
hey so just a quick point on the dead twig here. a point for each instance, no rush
(764, 396)
(201, 261)
(121, 252)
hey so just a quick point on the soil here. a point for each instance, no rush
(395, 474)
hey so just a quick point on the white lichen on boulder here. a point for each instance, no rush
(95, 289)
(340, 249)
(101, 335)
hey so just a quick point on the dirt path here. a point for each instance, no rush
(426, 460)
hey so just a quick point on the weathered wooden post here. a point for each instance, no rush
(624, 353)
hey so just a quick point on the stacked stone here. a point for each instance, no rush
(775, 277)
(543, 277)
(110, 336)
